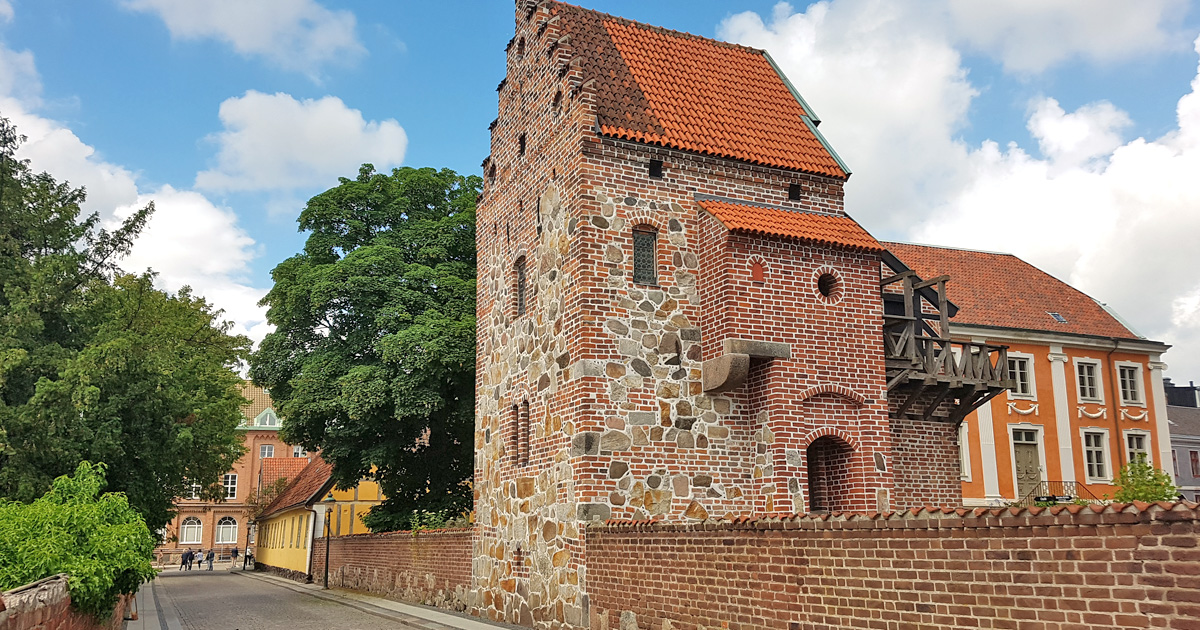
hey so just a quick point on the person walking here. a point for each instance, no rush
(192, 557)
(183, 558)
(233, 555)
(212, 555)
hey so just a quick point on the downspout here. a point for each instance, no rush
(311, 525)
(1112, 376)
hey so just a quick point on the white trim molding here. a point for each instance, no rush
(1160, 410)
(1146, 437)
(987, 453)
(1062, 413)
(1084, 413)
(1108, 460)
(1013, 408)
(1136, 417)
(964, 451)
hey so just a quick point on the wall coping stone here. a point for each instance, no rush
(933, 518)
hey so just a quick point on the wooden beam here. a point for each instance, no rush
(930, 282)
(897, 278)
(937, 400)
(902, 376)
(911, 399)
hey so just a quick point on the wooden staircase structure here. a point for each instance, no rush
(930, 376)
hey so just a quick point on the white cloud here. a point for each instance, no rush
(1032, 35)
(1116, 218)
(275, 142)
(19, 76)
(6, 11)
(299, 35)
(190, 241)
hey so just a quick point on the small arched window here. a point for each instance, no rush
(757, 272)
(645, 256)
(190, 531)
(226, 531)
(519, 287)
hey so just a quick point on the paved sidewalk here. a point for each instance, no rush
(408, 615)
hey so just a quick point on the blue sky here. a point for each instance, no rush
(1059, 131)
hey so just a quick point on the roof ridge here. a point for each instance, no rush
(957, 249)
(659, 29)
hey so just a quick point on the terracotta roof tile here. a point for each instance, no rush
(276, 468)
(678, 90)
(308, 483)
(1004, 291)
(810, 227)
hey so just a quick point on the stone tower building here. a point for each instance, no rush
(677, 319)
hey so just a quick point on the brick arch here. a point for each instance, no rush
(645, 216)
(817, 434)
(835, 389)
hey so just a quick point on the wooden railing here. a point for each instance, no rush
(935, 356)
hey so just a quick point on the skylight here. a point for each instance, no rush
(1057, 317)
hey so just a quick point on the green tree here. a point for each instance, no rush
(373, 356)
(101, 542)
(1139, 481)
(97, 365)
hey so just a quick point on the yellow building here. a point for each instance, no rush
(287, 527)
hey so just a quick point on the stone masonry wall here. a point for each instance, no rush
(46, 605)
(1124, 566)
(431, 567)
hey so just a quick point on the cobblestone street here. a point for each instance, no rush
(223, 600)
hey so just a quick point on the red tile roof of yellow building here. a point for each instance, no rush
(678, 90)
(276, 468)
(311, 481)
(810, 227)
(1003, 291)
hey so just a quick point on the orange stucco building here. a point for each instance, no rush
(1088, 390)
(225, 524)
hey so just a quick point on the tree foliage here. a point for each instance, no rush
(262, 497)
(1139, 481)
(100, 541)
(98, 365)
(373, 356)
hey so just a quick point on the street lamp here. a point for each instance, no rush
(329, 502)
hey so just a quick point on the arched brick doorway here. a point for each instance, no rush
(828, 459)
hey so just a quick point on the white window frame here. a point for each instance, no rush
(191, 524)
(266, 451)
(1145, 440)
(1012, 451)
(267, 418)
(964, 452)
(193, 492)
(1139, 382)
(1029, 363)
(1108, 460)
(230, 483)
(227, 531)
(1099, 372)
(298, 451)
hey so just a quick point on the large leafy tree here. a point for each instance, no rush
(97, 365)
(373, 356)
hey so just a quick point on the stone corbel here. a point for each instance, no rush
(729, 371)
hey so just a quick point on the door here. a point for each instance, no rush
(1029, 462)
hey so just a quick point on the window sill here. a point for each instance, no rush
(1141, 405)
(1023, 397)
(1091, 401)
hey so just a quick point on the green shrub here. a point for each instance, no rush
(98, 540)
(1139, 481)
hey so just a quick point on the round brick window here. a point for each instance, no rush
(829, 285)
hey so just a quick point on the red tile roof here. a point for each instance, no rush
(1003, 291)
(311, 482)
(810, 227)
(276, 468)
(686, 92)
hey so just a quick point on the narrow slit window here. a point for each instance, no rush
(521, 145)
(656, 169)
(520, 288)
(645, 258)
(794, 192)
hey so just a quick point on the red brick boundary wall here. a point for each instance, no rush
(46, 605)
(1118, 566)
(428, 567)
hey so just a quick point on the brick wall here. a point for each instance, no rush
(1121, 566)
(46, 605)
(431, 568)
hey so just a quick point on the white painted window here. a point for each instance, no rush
(1137, 446)
(1020, 370)
(298, 451)
(1129, 377)
(266, 450)
(230, 484)
(1087, 378)
(267, 418)
(226, 531)
(1095, 451)
(194, 492)
(190, 531)
(964, 453)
